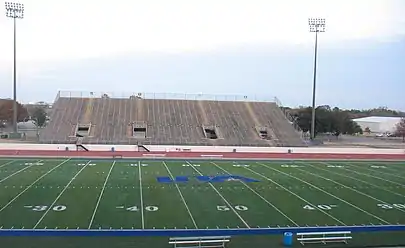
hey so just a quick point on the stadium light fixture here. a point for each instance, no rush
(15, 11)
(316, 25)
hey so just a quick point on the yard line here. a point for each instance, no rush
(140, 189)
(365, 182)
(4, 179)
(60, 194)
(299, 197)
(100, 196)
(181, 195)
(22, 192)
(378, 171)
(330, 194)
(259, 195)
(352, 189)
(9, 162)
(223, 198)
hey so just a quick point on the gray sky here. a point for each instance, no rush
(254, 47)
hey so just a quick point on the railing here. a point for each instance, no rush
(172, 96)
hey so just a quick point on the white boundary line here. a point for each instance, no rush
(9, 162)
(181, 195)
(330, 194)
(60, 194)
(100, 196)
(347, 187)
(259, 195)
(22, 192)
(223, 198)
(299, 197)
(4, 179)
(365, 182)
(141, 193)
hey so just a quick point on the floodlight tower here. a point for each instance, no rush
(15, 11)
(316, 25)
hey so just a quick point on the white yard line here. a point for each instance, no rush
(22, 192)
(181, 195)
(330, 194)
(9, 162)
(359, 180)
(141, 192)
(350, 188)
(299, 197)
(100, 196)
(60, 194)
(4, 179)
(259, 195)
(223, 198)
(378, 171)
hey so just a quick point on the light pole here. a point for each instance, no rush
(316, 25)
(15, 11)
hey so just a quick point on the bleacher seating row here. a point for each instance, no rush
(169, 122)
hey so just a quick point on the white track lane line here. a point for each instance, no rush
(181, 195)
(223, 198)
(22, 192)
(326, 192)
(60, 194)
(101, 195)
(259, 195)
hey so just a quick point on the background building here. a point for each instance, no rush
(378, 124)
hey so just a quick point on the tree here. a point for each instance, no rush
(6, 111)
(39, 114)
(400, 129)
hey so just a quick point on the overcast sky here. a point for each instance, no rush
(244, 47)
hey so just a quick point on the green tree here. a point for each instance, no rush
(39, 115)
(400, 129)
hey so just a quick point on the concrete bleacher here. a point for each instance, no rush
(169, 122)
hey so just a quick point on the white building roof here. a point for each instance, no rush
(378, 119)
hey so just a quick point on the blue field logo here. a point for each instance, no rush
(207, 179)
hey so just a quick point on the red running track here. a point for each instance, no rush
(211, 155)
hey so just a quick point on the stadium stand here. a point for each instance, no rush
(136, 120)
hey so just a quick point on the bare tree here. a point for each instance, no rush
(400, 129)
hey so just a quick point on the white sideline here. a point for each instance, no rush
(299, 197)
(22, 192)
(181, 195)
(326, 192)
(60, 194)
(100, 196)
(259, 195)
(141, 193)
(4, 179)
(223, 198)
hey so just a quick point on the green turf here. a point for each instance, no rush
(69, 194)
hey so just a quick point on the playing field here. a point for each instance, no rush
(156, 194)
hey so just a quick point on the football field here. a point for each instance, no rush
(189, 194)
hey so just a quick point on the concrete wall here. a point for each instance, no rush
(310, 150)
